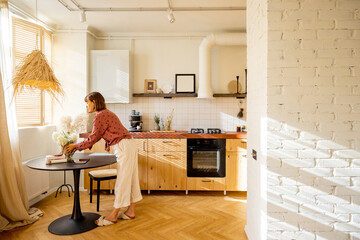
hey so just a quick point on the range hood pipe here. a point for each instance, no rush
(205, 88)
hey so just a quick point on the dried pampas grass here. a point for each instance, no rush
(36, 73)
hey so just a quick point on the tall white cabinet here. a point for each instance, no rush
(110, 75)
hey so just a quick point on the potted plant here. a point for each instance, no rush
(169, 120)
(157, 121)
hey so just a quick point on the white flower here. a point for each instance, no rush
(61, 140)
(68, 130)
(66, 123)
(80, 122)
(73, 137)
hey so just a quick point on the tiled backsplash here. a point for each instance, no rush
(188, 112)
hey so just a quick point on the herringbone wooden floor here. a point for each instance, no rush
(159, 216)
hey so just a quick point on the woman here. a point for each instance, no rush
(107, 125)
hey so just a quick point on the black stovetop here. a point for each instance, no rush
(209, 130)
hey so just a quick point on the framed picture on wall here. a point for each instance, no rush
(184, 83)
(150, 86)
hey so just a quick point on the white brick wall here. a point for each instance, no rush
(313, 119)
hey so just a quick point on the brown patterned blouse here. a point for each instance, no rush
(106, 125)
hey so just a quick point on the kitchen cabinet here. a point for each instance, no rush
(162, 166)
(206, 184)
(236, 165)
(166, 164)
(110, 75)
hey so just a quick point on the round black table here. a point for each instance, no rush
(77, 222)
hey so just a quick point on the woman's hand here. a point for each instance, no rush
(70, 148)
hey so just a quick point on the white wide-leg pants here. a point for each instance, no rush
(127, 187)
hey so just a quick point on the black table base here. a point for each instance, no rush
(77, 222)
(68, 226)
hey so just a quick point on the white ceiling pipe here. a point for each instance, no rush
(205, 88)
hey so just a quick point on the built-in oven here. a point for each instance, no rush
(206, 157)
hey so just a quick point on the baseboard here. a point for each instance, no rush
(42, 196)
(48, 193)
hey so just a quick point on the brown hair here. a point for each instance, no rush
(98, 98)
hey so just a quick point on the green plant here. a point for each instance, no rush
(157, 118)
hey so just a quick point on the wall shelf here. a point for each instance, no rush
(171, 95)
(165, 95)
(239, 95)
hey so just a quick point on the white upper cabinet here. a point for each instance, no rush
(109, 75)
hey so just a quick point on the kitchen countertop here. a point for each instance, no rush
(182, 134)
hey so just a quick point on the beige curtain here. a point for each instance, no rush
(14, 205)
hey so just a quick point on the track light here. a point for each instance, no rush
(82, 16)
(171, 16)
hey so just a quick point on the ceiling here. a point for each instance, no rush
(189, 17)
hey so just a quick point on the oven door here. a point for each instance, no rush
(205, 162)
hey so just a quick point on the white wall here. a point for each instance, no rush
(70, 59)
(256, 226)
(161, 59)
(227, 62)
(313, 117)
(37, 142)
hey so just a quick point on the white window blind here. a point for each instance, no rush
(33, 107)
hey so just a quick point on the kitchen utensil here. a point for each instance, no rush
(240, 114)
(232, 86)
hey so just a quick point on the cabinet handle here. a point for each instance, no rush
(206, 180)
(144, 145)
(167, 155)
(167, 141)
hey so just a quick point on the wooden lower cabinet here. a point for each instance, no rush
(236, 165)
(236, 171)
(166, 170)
(206, 184)
(162, 166)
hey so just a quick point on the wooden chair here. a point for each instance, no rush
(100, 175)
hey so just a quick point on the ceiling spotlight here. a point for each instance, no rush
(82, 16)
(171, 16)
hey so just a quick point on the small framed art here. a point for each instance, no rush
(150, 86)
(184, 83)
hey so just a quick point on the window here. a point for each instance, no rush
(33, 106)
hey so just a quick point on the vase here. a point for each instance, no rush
(168, 125)
(67, 156)
(157, 127)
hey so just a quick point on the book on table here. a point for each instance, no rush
(50, 159)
